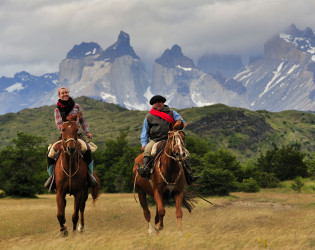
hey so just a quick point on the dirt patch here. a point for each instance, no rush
(272, 205)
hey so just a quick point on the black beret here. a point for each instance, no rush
(157, 98)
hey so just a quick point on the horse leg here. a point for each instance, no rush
(61, 204)
(179, 213)
(82, 208)
(156, 216)
(161, 210)
(77, 204)
(146, 211)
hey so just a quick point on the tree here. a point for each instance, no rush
(220, 172)
(285, 162)
(22, 168)
(114, 164)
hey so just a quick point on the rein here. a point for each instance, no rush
(65, 149)
(70, 174)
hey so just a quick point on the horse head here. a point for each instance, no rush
(69, 132)
(176, 140)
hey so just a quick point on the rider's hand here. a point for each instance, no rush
(142, 148)
(89, 135)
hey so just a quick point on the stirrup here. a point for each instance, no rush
(92, 180)
(48, 182)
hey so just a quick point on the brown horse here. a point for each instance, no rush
(71, 177)
(167, 179)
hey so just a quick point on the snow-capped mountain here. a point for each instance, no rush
(281, 79)
(284, 77)
(24, 90)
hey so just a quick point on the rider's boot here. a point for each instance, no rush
(91, 179)
(50, 169)
(88, 158)
(145, 170)
(190, 178)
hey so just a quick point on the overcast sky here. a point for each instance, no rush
(35, 35)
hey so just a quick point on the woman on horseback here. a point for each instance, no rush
(66, 106)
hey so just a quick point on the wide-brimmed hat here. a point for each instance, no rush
(157, 98)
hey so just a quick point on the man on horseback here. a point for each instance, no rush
(66, 106)
(155, 128)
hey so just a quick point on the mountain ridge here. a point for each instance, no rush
(282, 79)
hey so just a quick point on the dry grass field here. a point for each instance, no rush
(264, 220)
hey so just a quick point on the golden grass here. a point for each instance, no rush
(265, 220)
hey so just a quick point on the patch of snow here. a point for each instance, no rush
(293, 68)
(15, 87)
(135, 106)
(109, 98)
(240, 76)
(313, 58)
(196, 97)
(183, 68)
(269, 84)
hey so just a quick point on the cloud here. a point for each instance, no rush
(36, 35)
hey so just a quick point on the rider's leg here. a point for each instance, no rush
(190, 178)
(145, 170)
(88, 159)
(50, 169)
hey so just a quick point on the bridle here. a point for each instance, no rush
(176, 141)
(71, 154)
(65, 142)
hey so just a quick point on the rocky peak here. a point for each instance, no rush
(120, 48)
(304, 40)
(295, 32)
(174, 58)
(83, 50)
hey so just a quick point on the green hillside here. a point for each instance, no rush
(242, 131)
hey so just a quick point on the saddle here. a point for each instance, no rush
(54, 149)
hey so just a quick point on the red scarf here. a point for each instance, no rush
(163, 115)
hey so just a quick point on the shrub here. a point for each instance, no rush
(250, 186)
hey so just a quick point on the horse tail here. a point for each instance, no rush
(95, 189)
(189, 200)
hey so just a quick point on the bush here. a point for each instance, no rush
(217, 182)
(250, 186)
(297, 184)
(22, 166)
(285, 162)
(268, 180)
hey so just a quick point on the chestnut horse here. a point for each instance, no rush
(167, 179)
(71, 177)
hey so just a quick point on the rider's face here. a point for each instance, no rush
(64, 94)
(158, 106)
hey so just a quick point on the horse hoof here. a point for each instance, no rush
(80, 228)
(158, 228)
(64, 233)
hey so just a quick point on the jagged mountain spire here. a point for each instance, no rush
(174, 57)
(120, 48)
(83, 50)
